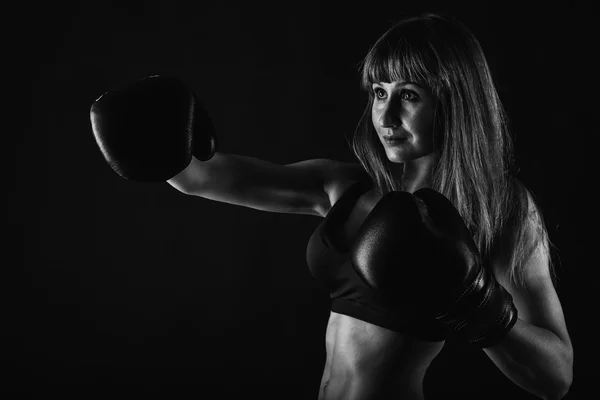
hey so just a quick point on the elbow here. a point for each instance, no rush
(555, 385)
(558, 393)
(566, 384)
(564, 392)
(568, 372)
(561, 386)
(555, 391)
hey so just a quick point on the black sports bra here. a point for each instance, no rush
(329, 262)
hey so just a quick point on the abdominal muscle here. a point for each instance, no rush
(368, 362)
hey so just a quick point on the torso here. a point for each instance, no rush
(365, 361)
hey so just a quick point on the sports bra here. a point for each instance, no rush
(329, 262)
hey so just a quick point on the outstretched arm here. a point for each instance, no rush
(303, 187)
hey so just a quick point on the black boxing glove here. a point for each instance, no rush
(149, 130)
(482, 311)
(417, 253)
(393, 254)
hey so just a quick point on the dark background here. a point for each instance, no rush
(115, 287)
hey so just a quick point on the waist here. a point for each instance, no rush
(371, 360)
(361, 385)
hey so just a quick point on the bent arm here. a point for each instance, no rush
(535, 359)
(537, 353)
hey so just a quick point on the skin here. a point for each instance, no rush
(406, 109)
(368, 362)
(365, 361)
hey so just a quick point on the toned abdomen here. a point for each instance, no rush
(368, 362)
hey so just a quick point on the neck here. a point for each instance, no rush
(416, 174)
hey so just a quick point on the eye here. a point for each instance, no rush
(379, 92)
(406, 94)
(411, 93)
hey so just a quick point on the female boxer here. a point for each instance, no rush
(428, 236)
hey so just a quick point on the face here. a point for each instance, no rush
(405, 110)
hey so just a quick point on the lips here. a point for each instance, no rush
(394, 139)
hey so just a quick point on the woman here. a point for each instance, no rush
(434, 120)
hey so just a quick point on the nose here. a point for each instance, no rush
(389, 116)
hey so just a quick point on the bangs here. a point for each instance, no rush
(398, 59)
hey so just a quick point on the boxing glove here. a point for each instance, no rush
(149, 130)
(417, 253)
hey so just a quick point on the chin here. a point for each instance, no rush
(401, 158)
(397, 160)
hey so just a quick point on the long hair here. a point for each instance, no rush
(473, 145)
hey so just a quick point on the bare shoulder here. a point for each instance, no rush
(524, 241)
(533, 226)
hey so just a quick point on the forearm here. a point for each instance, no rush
(221, 173)
(259, 184)
(232, 172)
(535, 359)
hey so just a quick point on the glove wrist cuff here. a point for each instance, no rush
(498, 331)
(484, 313)
(204, 143)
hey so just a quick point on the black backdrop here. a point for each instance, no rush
(123, 287)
